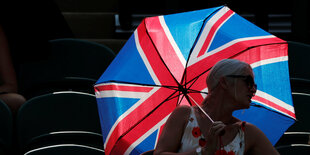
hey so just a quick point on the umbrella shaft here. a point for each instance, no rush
(201, 109)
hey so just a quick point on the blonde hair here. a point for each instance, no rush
(223, 68)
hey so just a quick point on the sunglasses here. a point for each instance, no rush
(248, 79)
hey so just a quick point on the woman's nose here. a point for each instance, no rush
(253, 89)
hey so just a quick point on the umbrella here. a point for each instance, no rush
(165, 64)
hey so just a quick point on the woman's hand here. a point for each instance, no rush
(216, 130)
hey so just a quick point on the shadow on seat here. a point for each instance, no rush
(60, 117)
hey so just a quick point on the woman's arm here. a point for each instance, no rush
(256, 142)
(8, 81)
(170, 139)
(171, 136)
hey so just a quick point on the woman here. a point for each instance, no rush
(189, 131)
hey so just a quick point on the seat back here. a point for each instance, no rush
(300, 85)
(55, 112)
(6, 128)
(66, 149)
(299, 54)
(81, 58)
(70, 59)
(301, 103)
(294, 149)
(294, 138)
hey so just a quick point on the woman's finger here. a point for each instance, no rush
(220, 131)
(217, 128)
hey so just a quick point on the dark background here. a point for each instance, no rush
(29, 25)
(294, 25)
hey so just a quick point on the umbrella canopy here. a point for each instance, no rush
(165, 64)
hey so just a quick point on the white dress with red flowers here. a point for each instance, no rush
(193, 138)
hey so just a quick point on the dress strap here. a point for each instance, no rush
(243, 125)
(221, 151)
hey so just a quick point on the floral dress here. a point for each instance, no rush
(193, 138)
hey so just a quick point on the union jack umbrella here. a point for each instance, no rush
(165, 64)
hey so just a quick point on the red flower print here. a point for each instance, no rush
(223, 152)
(231, 153)
(220, 152)
(191, 119)
(196, 132)
(202, 142)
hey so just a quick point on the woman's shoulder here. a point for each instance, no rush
(251, 128)
(253, 134)
(181, 111)
(178, 117)
(256, 141)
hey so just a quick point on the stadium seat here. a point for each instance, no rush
(301, 103)
(294, 149)
(300, 85)
(294, 138)
(73, 64)
(91, 24)
(86, 6)
(66, 149)
(299, 54)
(115, 44)
(87, 138)
(6, 128)
(60, 117)
(81, 58)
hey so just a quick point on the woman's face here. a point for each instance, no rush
(244, 88)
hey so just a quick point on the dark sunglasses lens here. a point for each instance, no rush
(250, 81)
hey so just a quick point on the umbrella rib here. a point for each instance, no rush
(194, 45)
(141, 84)
(196, 78)
(259, 106)
(195, 42)
(180, 100)
(196, 91)
(159, 54)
